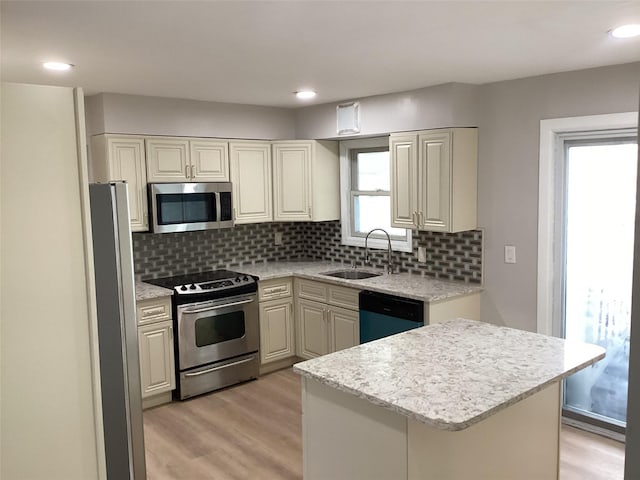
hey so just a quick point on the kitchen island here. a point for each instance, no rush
(457, 400)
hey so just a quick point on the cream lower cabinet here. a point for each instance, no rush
(122, 158)
(277, 328)
(250, 164)
(434, 179)
(155, 344)
(327, 318)
(306, 181)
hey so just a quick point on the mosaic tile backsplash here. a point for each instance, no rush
(456, 256)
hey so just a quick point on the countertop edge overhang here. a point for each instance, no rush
(451, 388)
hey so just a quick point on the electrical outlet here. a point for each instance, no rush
(277, 238)
(422, 254)
(509, 254)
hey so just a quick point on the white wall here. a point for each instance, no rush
(47, 430)
(134, 114)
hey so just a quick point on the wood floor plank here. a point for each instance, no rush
(254, 431)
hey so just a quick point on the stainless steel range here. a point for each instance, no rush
(217, 329)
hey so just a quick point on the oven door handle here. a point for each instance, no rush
(215, 369)
(207, 309)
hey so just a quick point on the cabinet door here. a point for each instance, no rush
(157, 370)
(292, 181)
(252, 183)
(126, 162)
(209, 161)
(434, 174)
(344, 328)
(404, 184)
(313, 332)
(167, 160)
(277, 340)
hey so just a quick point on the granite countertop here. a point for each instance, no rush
(406, 285)
(454, 374)
(146, 291)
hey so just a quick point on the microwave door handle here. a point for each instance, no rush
(208, 309)
(218, 208)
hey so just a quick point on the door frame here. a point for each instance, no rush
(551, 149)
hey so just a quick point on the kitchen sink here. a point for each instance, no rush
(351, 274)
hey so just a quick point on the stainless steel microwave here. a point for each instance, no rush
(183, 207)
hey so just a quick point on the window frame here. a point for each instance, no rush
(348, 152)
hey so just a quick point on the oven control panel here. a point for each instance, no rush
(215, 285)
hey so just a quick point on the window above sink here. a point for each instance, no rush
(365, 176)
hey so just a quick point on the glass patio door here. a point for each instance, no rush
(599, 215)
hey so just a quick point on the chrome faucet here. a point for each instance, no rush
(366, 249)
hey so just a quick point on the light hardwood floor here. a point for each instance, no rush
(253, 431)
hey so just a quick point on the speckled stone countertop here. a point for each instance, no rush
(146, 291)
(404, 284)
(454, 374)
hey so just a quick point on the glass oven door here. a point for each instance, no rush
(217, 330)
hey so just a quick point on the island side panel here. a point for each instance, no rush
(520, 442)
(347, 438)
(467, 306)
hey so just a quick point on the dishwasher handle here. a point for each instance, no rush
(392, 306)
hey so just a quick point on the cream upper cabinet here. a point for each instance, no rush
(306, 180)
(434, 179)
(250, 164)
(116, 158)
(404, 186)
(175, 159)
(209, 160)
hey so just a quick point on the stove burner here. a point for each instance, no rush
(215, 285)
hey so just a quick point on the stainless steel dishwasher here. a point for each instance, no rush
(382, 315)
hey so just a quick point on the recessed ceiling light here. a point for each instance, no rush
(305, 94)
(626, 31)
(57, 66)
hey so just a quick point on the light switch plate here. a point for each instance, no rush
(422, 254)
(277, 238)
(509, 254)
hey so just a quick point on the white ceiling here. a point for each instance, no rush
(260, 52)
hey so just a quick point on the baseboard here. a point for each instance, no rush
(156, 400)
(278, 365)
(587, 427)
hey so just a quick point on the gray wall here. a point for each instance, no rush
(508, 115)
(450, 105)
(134, 114)
(509, 136)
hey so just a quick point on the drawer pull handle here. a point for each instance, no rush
(222, 367)
(153, 311)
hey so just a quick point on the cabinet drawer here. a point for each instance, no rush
(272, 289)
(153, 310)
(312, 290)
(343, 297)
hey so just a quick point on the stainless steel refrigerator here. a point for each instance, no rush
(117, 332)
